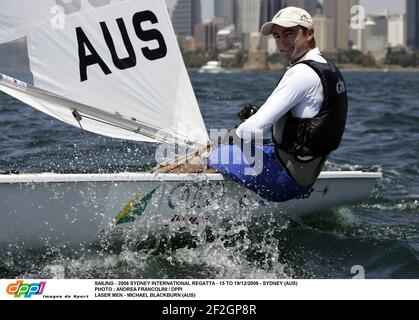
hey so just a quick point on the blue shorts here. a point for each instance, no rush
(272, 183)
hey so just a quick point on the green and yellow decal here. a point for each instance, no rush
(134, 209)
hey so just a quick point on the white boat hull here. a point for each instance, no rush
(51, 209)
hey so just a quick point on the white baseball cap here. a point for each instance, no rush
(288, 17)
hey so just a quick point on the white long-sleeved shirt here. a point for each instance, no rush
(300, 91)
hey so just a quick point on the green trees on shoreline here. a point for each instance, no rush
(395, 56)
(401, 57)
(351, 57)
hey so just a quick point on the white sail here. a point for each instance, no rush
(18, 17)
(119, 57)
(94, 120)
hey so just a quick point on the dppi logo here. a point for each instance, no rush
(27, 290)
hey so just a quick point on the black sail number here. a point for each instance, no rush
(145, 35)
(149, 35)
(121, 64)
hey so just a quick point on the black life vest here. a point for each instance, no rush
(322, 134)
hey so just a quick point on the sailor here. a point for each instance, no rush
(305, 116)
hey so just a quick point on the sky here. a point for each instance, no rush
(171, 3)
(395, 6)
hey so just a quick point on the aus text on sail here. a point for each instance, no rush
(86, 60)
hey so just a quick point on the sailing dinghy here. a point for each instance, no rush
(114, 68)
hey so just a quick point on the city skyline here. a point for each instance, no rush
(394, 6)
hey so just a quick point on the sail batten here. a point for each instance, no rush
(118, 64)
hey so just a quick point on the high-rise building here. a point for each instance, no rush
(268, 9)
(397, 30)
(412, 24)
(340, 11)
(324, 33)
(206, 35)
(221, 8)
(186, 14)
(309, 5)
(248, 20)
(233, 12)
(375, 36)
(207, 7)
(249, 16)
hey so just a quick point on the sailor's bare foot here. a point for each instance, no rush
(194, 164)
(186, 168)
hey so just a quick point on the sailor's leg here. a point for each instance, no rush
(229, 160)
(271, 183)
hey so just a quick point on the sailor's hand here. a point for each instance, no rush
(248, 111)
